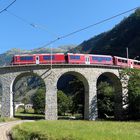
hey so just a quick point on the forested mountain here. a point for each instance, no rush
(115, 41)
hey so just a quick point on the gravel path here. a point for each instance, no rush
(6, 127)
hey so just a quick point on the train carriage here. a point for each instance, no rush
(123, 62)
(136, 64)
(25, 59)
(101, 59)
(75, 58)
(57, 58)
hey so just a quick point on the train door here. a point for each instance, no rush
(37, 59)
(131, 64)
(87, 60)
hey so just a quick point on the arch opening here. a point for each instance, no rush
(109, 96)
(72, 92)
(29, 96)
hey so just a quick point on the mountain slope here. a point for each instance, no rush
(114, 42)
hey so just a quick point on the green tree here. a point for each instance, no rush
(134, 94)
(77, 97)
(105, 99)
(63, 102)
(38, 100)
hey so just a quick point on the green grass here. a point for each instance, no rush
(7, 119)
(77, 130)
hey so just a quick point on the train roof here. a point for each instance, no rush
(74, 54)
(100, 55)
(124, 58)
(37, 54)
(89, 54)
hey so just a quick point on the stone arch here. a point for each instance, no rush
(84, 80)
(115, 80)
(16, 79)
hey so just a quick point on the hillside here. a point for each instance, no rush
(6, 57)
(114, 42)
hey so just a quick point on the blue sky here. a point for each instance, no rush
(57, 17)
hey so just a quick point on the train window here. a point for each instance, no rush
(99, 59)
(108, 59)
(48, 57)
(119, 60)
(136, 63)
(26, 58)
(124, 61)
(77, 57)
(94, 58)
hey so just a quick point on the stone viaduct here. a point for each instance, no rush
(88, 74)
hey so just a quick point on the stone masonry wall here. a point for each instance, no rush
(87, 75)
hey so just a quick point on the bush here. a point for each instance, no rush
(38, 100)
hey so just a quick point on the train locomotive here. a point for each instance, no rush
(71, 58)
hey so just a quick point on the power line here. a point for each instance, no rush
(66, 35)
(45, 29)
(7, 6)
(18, 17)
(89, 26)
(31, 24)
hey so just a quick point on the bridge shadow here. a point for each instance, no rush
(30, 116)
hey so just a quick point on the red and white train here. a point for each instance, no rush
(70, 58)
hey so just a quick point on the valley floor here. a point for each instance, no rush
(77, 130)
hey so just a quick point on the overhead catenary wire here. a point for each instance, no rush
(34, 25)
(7, 6)
(66, 35)
(89, 26)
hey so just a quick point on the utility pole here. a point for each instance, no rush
(127, 55)
(51, 56)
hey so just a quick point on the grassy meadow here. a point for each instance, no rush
(5, 119)
(77, 130)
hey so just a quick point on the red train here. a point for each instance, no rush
(70, 58)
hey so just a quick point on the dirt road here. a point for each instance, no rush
(6, 127)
